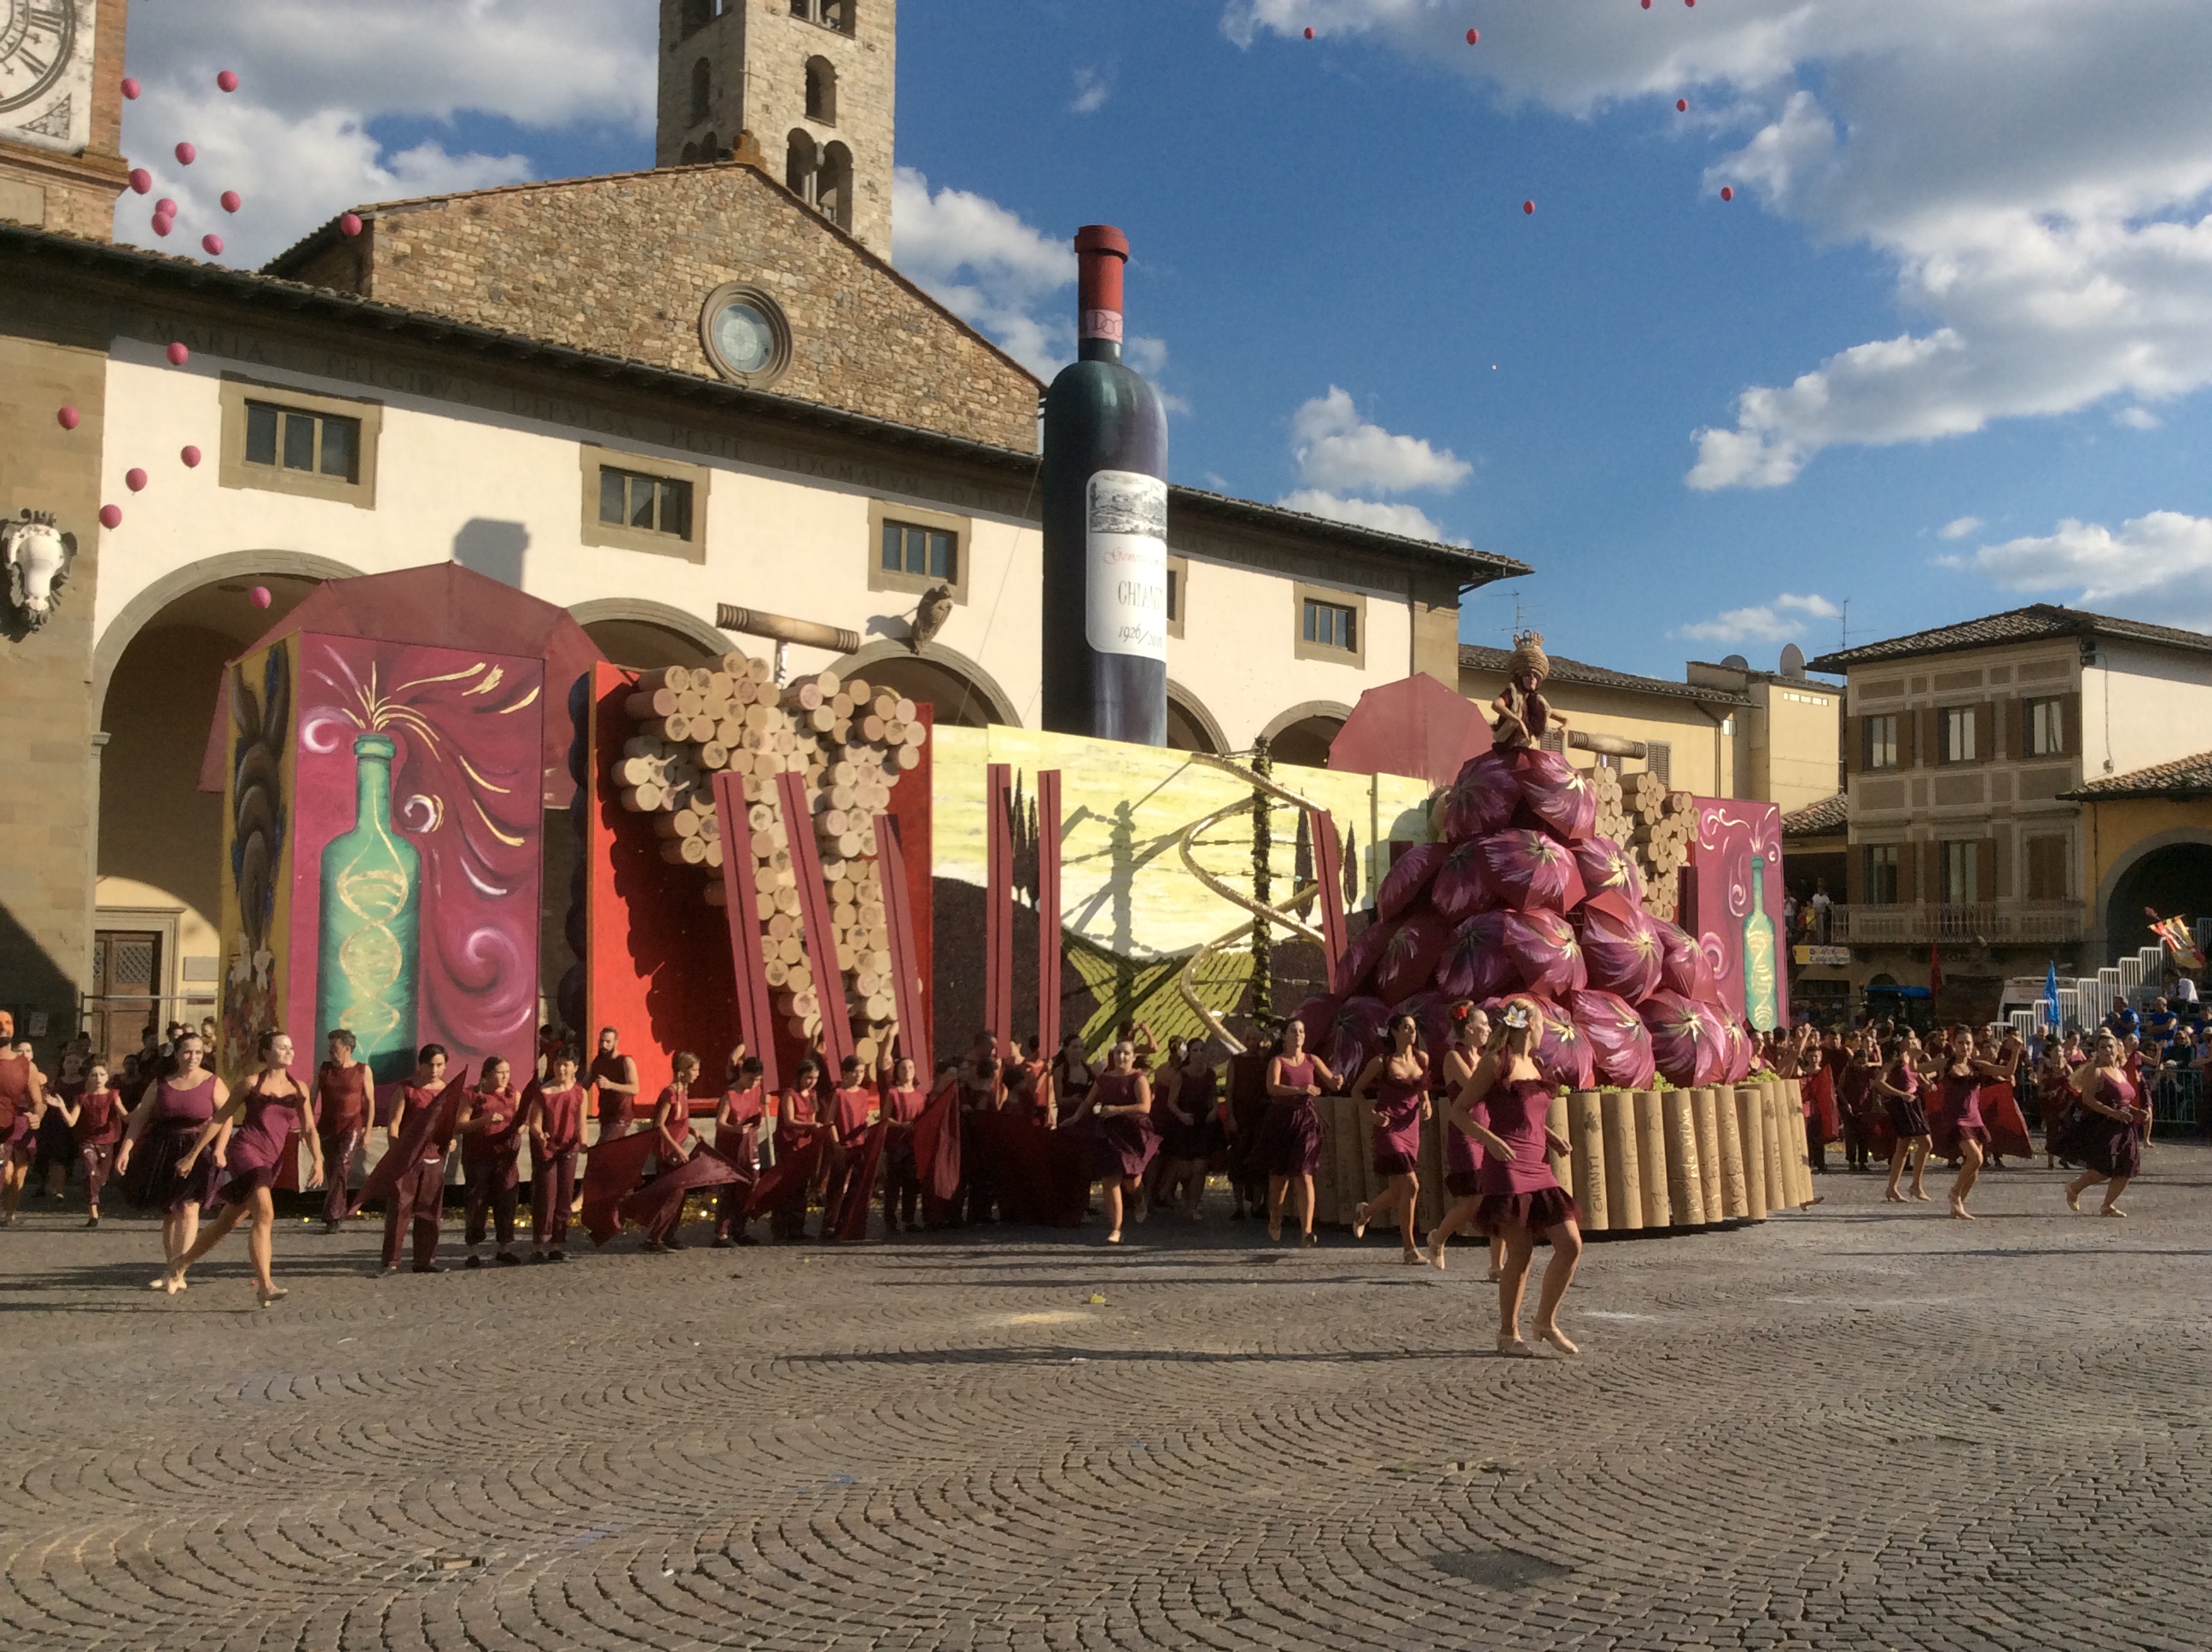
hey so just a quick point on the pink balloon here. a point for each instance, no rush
(1308, 34)
(165, 208)
(1728, 193)
(228, 81)
(1681, 105)
(178, 356)
(349, 224)
(129, 88)
(135, 479)
(232, 200)
(1528, 209)
(186, 155)
(213, 243)
(163, 223)
(110, 516)
(68, 416)
(260, 595)
(141, 181)
(191, 457)
(1474, 35)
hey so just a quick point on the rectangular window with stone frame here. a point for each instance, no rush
(1881, 882)
(634, 503)
(278, 439)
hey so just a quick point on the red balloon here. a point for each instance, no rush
(1681, 105)
(1647, 5)
(192, 458)
(213, 243)
(349, 224)
(179, 354)
(68, 416)
(141, 181)
(186, 155)
(110, 516)
(1528, 209)
(129, 86)
(165, 208)
(1308, 34)
(260, 595)
(1689, 3)
(1727, 193)
(232, 200)
(1474, 35)
(135, 479)
(228, 81)
(163, 223)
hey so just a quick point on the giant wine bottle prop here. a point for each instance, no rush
(1105, 524)
(371, 913)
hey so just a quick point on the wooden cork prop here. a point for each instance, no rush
(1623, 1185)
(1793, 1104)
(1651, 1157)
(1686, 1203)
(1705, 1114)
(1779, 1195)
(1586, 1164)
(1555, 1120)
(1752, 1127)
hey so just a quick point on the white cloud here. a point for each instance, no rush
(1336, 449)
(2036, 172)
(293, 139)
(1092, 87)
(1408, 519)
(1959, 527)
(989, 267)
(2136, 418)
(2156, 567)
(1776, 622)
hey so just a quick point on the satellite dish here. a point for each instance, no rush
(1736, 662)
(1793, 662)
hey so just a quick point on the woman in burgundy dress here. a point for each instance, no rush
(1521, 1199)
(248, 1134)
(164, 1125)
(490, 1132)
(345, 1107)
(1182, 1116)
(1961, 1132)
(903, 1100)
(1897, 1085)
(1396, 1082)
(1200, 1098)
(22, 1101)
(2054, 1100)
(2110, 1138)
(97, 1127)
(1471, 1033)
(737, 1120)
(1289, 1148)
(1122, 1108)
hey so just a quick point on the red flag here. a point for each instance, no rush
(612, 1171)
(860, 1186)
(936, 1143)
(438, 1118)
(1935, 968)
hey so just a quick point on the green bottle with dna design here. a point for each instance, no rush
(371, 919)
(1762, 1003)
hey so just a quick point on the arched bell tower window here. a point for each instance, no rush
(703, 90)
(833, 188)
(801, 162)
(821, 91)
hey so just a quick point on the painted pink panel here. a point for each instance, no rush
(1720, 907)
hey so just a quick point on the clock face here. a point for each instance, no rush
(744, 337)
(745, 334)
(38, 43)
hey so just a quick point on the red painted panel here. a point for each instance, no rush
(755, 1009)
(1414, 727)
(1328, 871)
(999, 905)
(815, 922)
(1047, 782)
(897, 880)
(913, 807)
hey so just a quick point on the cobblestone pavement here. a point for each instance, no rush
(1858, 1427)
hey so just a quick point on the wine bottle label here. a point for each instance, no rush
(1101, 323)
(1126, 522)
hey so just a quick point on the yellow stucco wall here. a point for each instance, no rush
(1703, 760)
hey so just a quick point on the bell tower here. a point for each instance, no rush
(61, 114)
(814, 82)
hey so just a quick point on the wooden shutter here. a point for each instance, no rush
(1855, 746)
(1908, 873)
(2071, 716)
(1985, 870)
(1928, 737)
(1985, 733)
(2002, 889)
(2016, 728)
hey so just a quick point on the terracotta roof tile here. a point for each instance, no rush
(2183, 778)
(2028, 624)
(1821, 819)
(1472, 657)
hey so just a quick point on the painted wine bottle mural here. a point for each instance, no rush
(1105, 524)
(1761, 1002)
(371, 920)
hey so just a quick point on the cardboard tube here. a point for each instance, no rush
(1705, 1114)
(1800, 1153)
(1624, 1184)
(1429, 1162)
(1686, 1205)
(1651, 1156)
(1586, 1164)
(1779, 1195)
(1555, 1120)
(1751, 1127)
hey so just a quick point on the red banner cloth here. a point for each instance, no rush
(937, 1143)
(798, 1165)
(650, 1204)
(1819, 1095)
(611, 1173)
(852, 1222)
(430, 1120)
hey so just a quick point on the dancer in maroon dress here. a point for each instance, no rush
(418, 1198)
(490, 1132)
(163, 1127)
(346, 1106)
(1121, 1103)
(902, 1103)
(1521, 1199)
(97, 1127)
(800, 1124)
(256, 1123)
(2110, 1139)
(674, 1142)
(736, 1140)
(2055, 1099)
(1397, 1083)
(553, 1118)
(23, 1100)
(1473, 1043)
(1290, 1136)
(853, 1109)
(1962, 1130)
(1897, 1085)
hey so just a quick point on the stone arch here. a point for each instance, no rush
(832, 185)
(1302, 733)
(1191, 726)
(2150, 873)
(703, 90)
(801, 160)
(821, 91)
(963, 693)
(641, 635)
(691, 154)
(710, 148)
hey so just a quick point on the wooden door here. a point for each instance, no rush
(126, 978)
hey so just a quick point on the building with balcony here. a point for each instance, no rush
(1967, 751)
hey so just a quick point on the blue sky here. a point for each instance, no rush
(1983, 233)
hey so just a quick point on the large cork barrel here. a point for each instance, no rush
(1586, 1163)
(1555, 1120)
(1624, 1181)
(1344, 1165)
(1800, 1151)
(1779, 1195)
(1429, 1207)
(1651, 1157)
(1685, 1204)
(1736, 1176)
(1705, 1114)
(1752, 1126)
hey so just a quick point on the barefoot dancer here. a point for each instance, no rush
(903, 1100)
(674, 1142)
(1521, 1199)
(346, 1106)
(1473, 1043)
(257, 1122)
(417, 1200)
(163, 1127)
(1397, 1083)
(1289, 1148)
(23, 1100)
(2110, 1140)
(1121, 1103)
(97, 1126)
(1182, 1116)
(737, 1143)
(1899, 1086)
(1963, 1076)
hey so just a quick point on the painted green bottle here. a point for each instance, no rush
(1761, 1003)
(371, 917)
